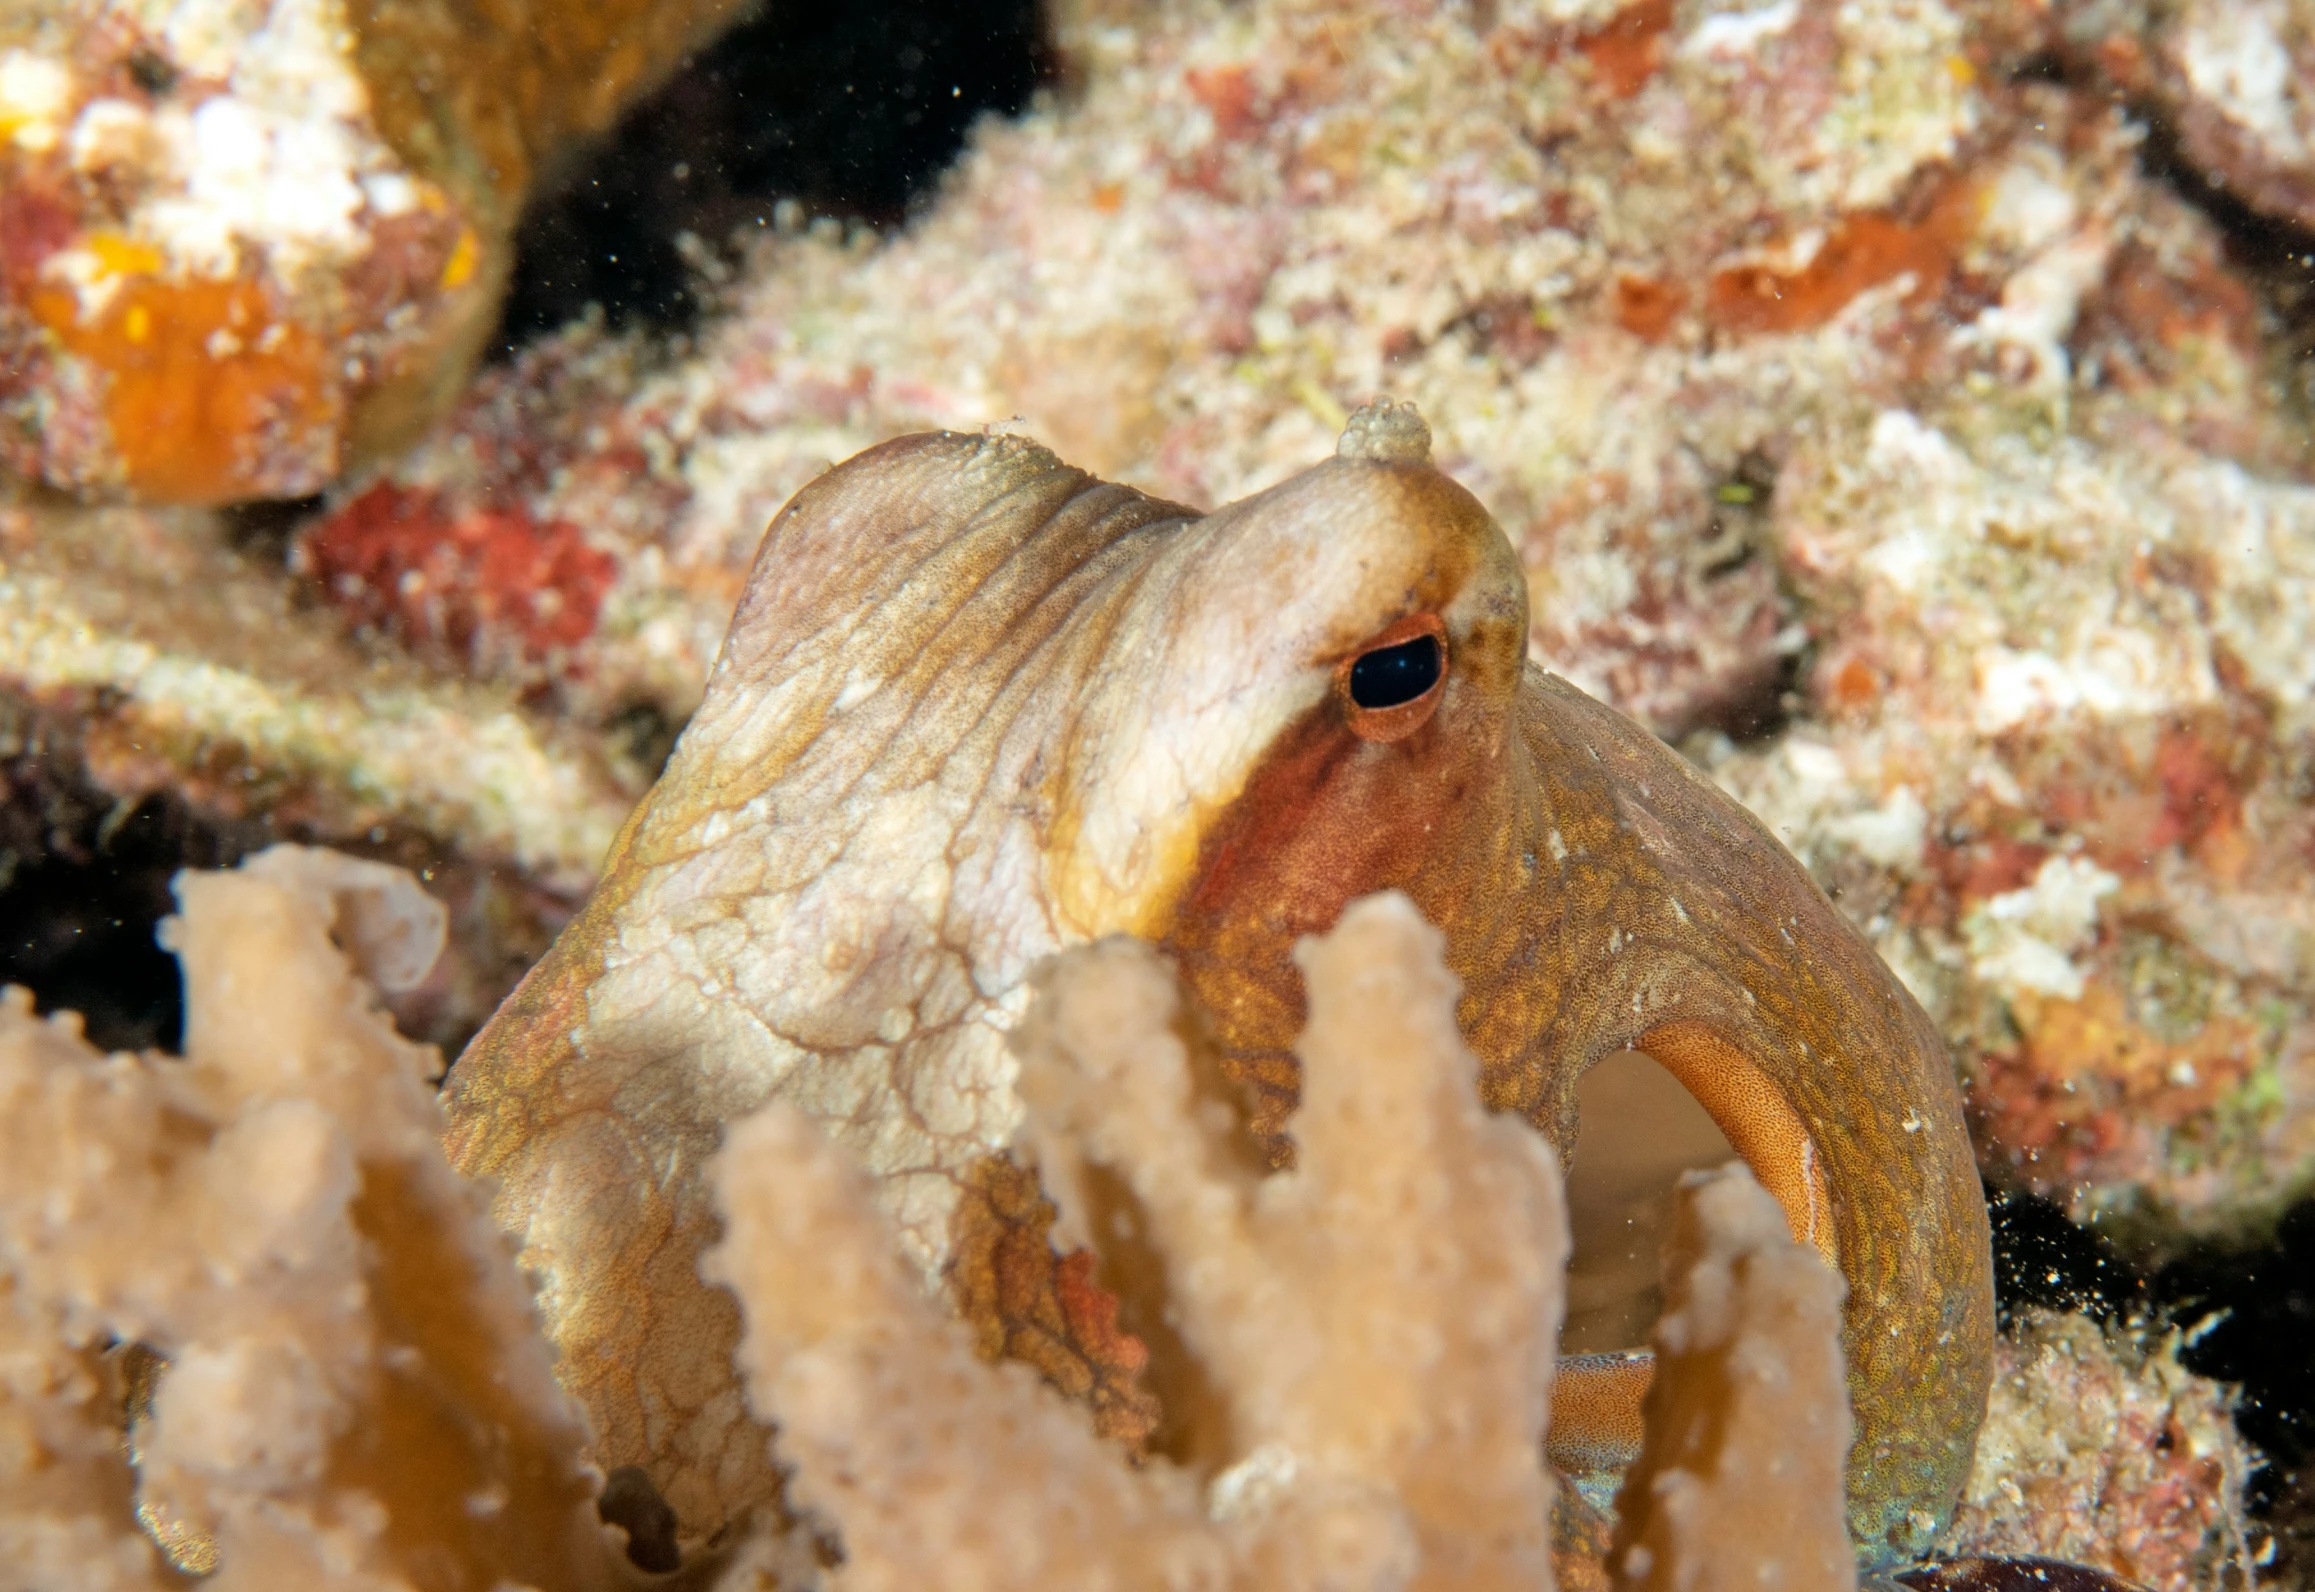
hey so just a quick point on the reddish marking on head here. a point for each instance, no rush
(1274, 809)
(1327, 818)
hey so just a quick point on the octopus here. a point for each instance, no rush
(976, 706)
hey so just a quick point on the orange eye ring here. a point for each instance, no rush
(1392, 683)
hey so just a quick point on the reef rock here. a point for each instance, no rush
(162, 658)
(1831, 377)
(2064, 693)
(246, 242)
(2099, 1449)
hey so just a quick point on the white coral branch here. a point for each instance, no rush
(1379, 1322)
(355, 1390)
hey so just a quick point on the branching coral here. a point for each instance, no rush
(1376, 1325)
(1746, 1419)
(1382, 1318)
(351, 1389)
(355, 1391)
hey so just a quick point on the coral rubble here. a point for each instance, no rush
(2101, 1450)
(245, 242)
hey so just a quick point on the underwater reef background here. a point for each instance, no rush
(1901, 406)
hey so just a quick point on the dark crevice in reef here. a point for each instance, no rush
(849, 111)
(1760, 704)
(2250, 1317)
(2275, 251)
(2042, 1261)
(1758, 708)
(644, 733)
(84, 878)
(263, 529)
(2273, 255)
(2045, 66)
(84, 884)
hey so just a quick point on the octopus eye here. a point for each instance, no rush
(1390, 687)
(1388, 676)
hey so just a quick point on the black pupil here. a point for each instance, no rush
(1388, 676)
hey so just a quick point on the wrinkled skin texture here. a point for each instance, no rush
(977, 706)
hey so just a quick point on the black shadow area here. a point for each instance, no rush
(851, 111)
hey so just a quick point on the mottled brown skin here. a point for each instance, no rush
(1586, 955)
(602, 1126)
(1596, 893)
